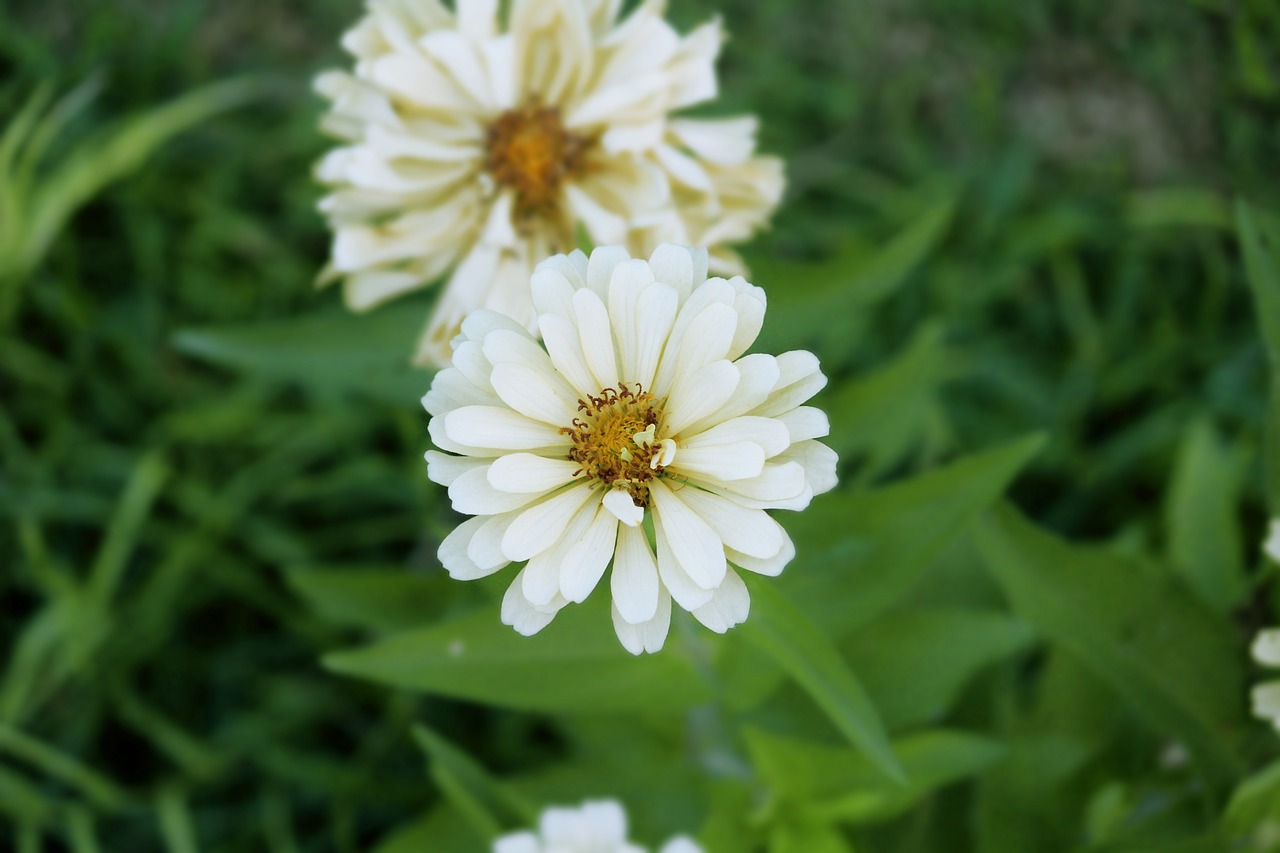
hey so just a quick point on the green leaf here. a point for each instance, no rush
(889, 412)
(1261, 248)
(374, 598)
(822, 783)
(804, 652)
(941, 647)
(1254, 803)
(1172, 207)
(488, 805)
(440, 829)
(331, 352)
(1200, 518)
(857, 553)
(1175, 664)
(860, 552)
(844, 286)
(575, 664)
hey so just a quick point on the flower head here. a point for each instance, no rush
(641, 437)
(481, 146)
(598, 826)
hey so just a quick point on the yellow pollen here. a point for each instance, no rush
(532, 153)
(614, 439)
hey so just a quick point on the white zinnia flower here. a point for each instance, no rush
(595, 827)
(1266, 648)
(642, 408)
(481, 151)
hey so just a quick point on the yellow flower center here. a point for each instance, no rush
(615, 440)
(532, 153)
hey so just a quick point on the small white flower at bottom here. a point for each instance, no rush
(597, 826)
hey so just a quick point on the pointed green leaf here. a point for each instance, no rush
(783, 632)
(574, 664)
(487, 804)
(329, 352)
(1200, 518)
(1175, 664)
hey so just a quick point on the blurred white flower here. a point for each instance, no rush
(1266, 647)
(1272, 545)
(481, 150)
(1266, 696)
(598, 826)
(641, 425)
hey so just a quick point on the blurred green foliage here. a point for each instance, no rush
(1003, 219)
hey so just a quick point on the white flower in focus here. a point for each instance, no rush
(594, 827)
(642, 437)
(479, 148)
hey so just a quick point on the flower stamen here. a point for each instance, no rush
(615, 441)
(530, 151)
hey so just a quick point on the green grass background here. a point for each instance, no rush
(1002, 218)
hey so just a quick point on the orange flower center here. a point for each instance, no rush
(614, 440)
(532, 153)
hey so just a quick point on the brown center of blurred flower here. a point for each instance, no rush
(532, 153)
(614, 440)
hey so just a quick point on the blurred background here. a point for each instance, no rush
(1002, 218)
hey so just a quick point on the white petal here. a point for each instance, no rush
(768, 566)
(525, 472)
(1266, 647)
(1266, 702)
(695, 546)
(552, 291)
(497, 427)
(819, 462)
(1272, 545)
(674, 265)
(452, 552)
(750, 305)
(540, 582)
(586, 561)
(520, 614)
(600, 268)
(655, 315)
(519, 842)
(801, 378)
(597, 338)
(724, 462)
(630, 279)
(623, 507)
(647, 636)
(748, 531)
(472, 494)
(771, 434)
(700, 394)
(541, 525)
(485, 549)
(444, 468)
(634, 581)
(560, 334)
(534, 393)
(728, 606)
(679, 844)
(780, 486)
(758, 374)
(703, 340)
(805, 422)
(676, 580)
